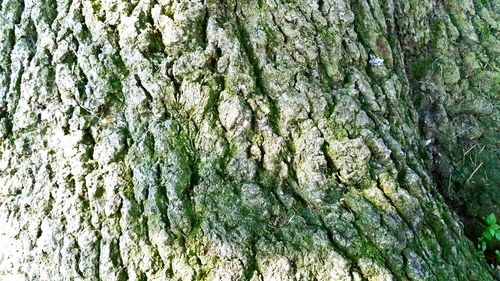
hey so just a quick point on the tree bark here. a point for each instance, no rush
(247, 140)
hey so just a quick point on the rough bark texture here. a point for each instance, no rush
(246, 140)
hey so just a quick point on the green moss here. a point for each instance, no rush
(169, 11)
(335, 131)
(96, 5)
(50, 10)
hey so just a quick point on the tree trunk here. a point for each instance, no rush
(247, 140)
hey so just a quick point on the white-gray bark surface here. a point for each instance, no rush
(247, 140)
